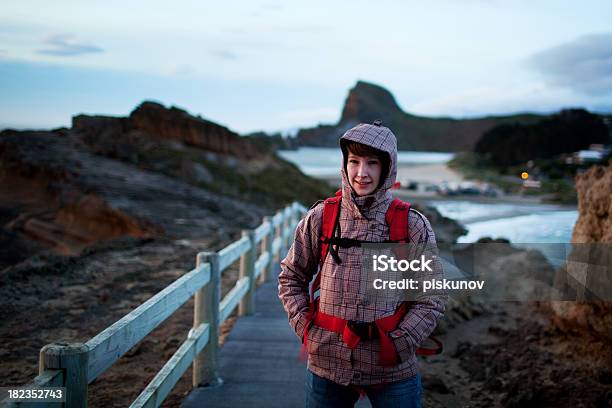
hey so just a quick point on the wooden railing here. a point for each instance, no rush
(76, 365)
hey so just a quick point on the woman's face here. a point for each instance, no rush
(363, 173)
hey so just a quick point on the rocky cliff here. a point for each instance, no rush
(588, 274)
(159, 173)
(172, 142)
(367, 102)
(594, 205)
(157, 121)
(57, 196)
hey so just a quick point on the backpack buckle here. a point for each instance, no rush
(365, 331)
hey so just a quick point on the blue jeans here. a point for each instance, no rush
(323, 393)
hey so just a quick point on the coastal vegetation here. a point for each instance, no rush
(566, 132)
(553, 188)
(543, 151)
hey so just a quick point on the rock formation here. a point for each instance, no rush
(367, 102)
(594, 205)
(158, 173)
(588, 273)
(155, 120)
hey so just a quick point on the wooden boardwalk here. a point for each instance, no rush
(259, 362)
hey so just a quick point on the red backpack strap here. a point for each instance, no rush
(331, 208)
(397, 220)
(430, 351)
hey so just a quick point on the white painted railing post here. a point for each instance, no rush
(206, 310)
(266, 246)
(287, 214)
(247, 269)
(278, 234)
(281, 233)
(294, 217)
(72, 360)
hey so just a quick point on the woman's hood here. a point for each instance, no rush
(381, 138)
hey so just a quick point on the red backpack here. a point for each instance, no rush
(397, 220)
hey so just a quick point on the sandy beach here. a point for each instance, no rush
(428, 173)
(420, 173)
(439, 173)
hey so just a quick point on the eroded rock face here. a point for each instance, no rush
(594, 189)
(155, 120)
(41, 180)
(593, 255)
(177, 124)
(58, 196)
(368, 102)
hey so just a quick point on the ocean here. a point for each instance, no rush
(519, 223)
(326, 161)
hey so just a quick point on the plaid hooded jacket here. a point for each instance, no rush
(341, 294)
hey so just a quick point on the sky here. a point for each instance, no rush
(276, 66)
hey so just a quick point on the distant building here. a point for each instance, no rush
(532, 183)
(594, 154)
(585, 156)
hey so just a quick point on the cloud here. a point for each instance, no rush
(65, 45)
(584, 65)
(223, 54)
(178, 70)
(272, 7)
(505, 99)
(264, 9)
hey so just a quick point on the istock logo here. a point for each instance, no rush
(383, 263)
